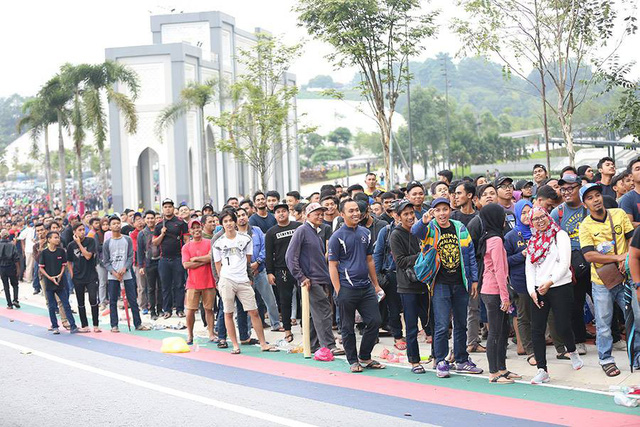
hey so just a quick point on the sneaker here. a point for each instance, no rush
(468, 367)
(74, 330)
(620, 345)
(145, 311)
(576, 360)
(581, 348)
(56, 331)
(442, 369)
(541, 377)
(16, 304)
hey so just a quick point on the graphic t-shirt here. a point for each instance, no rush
(450, 271)
(596, 236)
(232, 254)
(201, 277)
(84, 270)
(630, 203)
(53, 262)
(570, 222)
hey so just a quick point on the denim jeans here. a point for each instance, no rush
(448, 299)
(365, 301)
(603, 300)
(113, 287)
(172, 280)
(36, 278)
(261, 284)
(412, 304)
(243, 321)
(63, 294)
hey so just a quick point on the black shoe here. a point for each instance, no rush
(16, 304)
(36, 292)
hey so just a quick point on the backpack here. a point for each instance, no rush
(428, 262)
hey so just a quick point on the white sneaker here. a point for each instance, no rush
(541, 377)
(581, 348)
(576, 360)
(620, 345)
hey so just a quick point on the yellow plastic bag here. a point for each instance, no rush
(174, 345)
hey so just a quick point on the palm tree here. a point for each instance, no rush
(37, 118)
(102, 79)
(56, 96)
(194, 95)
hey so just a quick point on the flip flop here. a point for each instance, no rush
(337, 351)
(374, 364)
(271, 350)
(531, 356)
(400, 345)
(250, 341)
(418, 369)
(356, 368)
(235, 351)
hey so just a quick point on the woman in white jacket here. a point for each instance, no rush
(549, 284)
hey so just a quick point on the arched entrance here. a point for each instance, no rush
(148, 179)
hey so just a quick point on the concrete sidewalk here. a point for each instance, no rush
(590, 377)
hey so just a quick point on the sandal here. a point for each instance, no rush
(271, 349)
(223, 344)
(374, 364)
(418, 369)
(356, 368)
(235, 351)
(400, 344)
(337, 351)
(563, 356)
(476, 348)
(143, 328)
(288, 337)
(250, 341)
(532, 357)
(280, 329)
(190, 342)
(512, 375)
(501, 379)
(294, 322)
(611, 369)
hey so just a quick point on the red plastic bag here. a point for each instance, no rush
(323, 355)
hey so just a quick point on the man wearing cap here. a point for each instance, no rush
(148, 257)
(539, 175)
(455, 280)
(415, 195)
(196, 259)
(597, 243)
(569, 215)
(9, 267)
(525, 188)
(169, 235)
(276, 242)
(504, 189)
(305, 258)
(207, 209)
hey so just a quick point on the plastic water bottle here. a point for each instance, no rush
(620, 399)
(605, 247)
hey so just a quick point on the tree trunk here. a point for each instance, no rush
(79, 172)
(103, 177)
(62, 166)
(567, 133)
(47, 167)
(205, 159)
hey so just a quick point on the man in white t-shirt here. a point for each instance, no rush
(231, 254)
(28, 236)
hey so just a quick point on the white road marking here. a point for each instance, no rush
(155, 387)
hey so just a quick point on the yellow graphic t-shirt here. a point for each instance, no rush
(450, 272)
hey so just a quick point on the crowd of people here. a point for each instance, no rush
(461, 260)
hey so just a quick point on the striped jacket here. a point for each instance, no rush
(426, 234)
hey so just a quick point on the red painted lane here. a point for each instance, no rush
(462, 399)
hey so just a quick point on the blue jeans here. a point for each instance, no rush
(449, 299)
(131, 291)
(603, 300)
(36, 278)
(412, 304)
(63, 294)
(172, 281)
(244, 322)
(261, 284)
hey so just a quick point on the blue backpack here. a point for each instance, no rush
(428, 262)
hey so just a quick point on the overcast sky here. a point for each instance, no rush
(37, 37)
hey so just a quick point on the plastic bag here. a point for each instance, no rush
(323, 355)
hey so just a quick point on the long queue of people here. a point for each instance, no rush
(480, 258)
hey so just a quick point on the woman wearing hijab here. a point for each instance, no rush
(494, 292)
(548, 283)
(515, 243)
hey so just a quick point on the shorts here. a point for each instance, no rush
(229, 290)
(193, 297)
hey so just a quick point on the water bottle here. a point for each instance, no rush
(622, 400)
(605, 247)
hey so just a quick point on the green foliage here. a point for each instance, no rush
(323, 82)
(324, 154)
(10, 113)
(340, 135)
(194, 96)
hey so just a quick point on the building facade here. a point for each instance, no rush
(146, 168)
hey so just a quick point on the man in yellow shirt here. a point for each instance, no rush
(597, 242)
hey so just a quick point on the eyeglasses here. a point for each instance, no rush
(539, 219)
(506, 186)
(569, 189)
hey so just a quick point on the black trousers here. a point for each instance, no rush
(92, 289)
(366, 302)
(560, 300)
(9, 276)
(285, 283)
(581, 288)
(154, 287)
(498, 333)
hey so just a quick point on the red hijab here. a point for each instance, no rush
(541, 241)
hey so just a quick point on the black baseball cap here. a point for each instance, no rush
(539, 165)
(168, 201)
(413, 184)
(523, 183)
(207, 206)
(570, 179)
(402, 205)
(500, 180)
(280, 205)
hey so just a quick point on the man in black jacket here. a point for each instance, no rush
(405, 248)
(9, 266)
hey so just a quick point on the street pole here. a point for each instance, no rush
(446, 101)
(409, 115)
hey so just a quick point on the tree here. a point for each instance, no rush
(194, 96)
(257, 125)
(37, 116)
(321, 82)
(376, 36)
(557, 37)
(56, 96)
(102, 79)
(340, 135)
(312, 142)
(10, 114)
